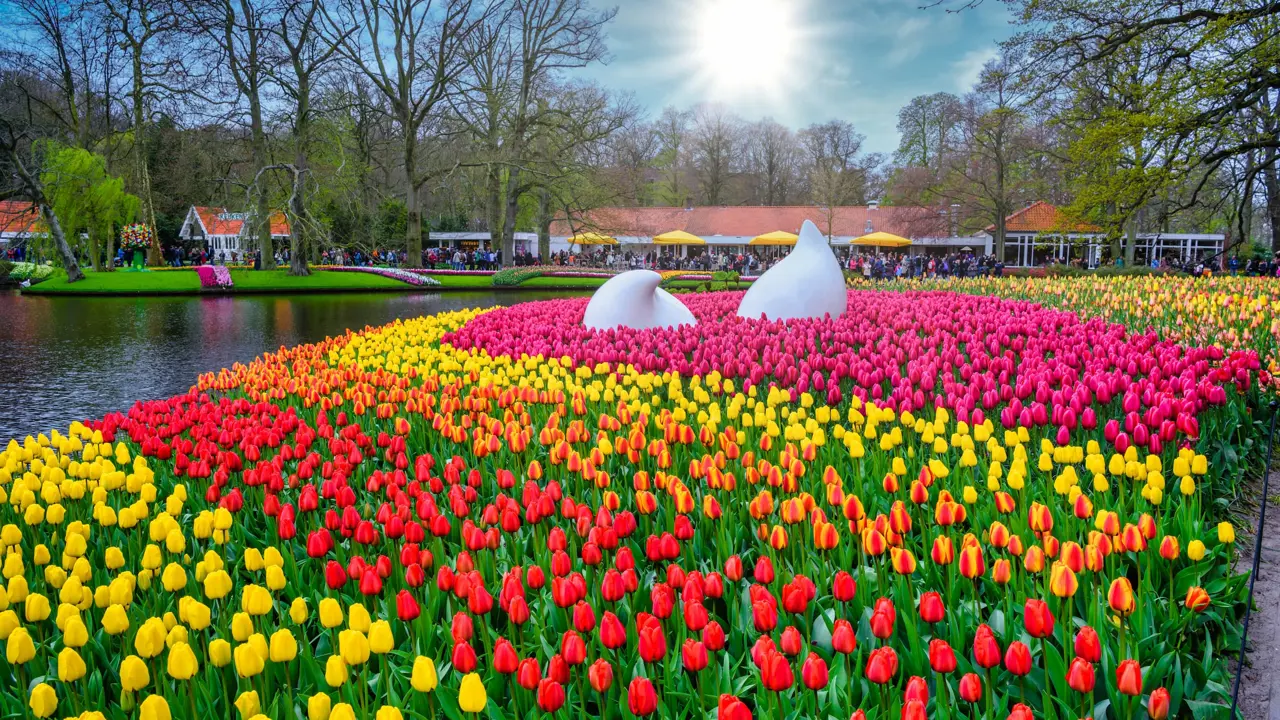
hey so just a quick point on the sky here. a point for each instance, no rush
(798, 61)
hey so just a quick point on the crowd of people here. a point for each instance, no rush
(896, 266)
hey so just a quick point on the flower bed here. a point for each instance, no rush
(923, 508)
(214, 277)
(406, 276)
(30, 271)
(429, 271)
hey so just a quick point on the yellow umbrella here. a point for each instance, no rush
(777, 237)
(591, 238)
(882, 239)
(678, 237)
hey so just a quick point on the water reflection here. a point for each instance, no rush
(68, 358)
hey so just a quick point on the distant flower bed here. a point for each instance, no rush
(30, 271)
(406, 276)
(429, 271)
(578, 274)
(214, 277)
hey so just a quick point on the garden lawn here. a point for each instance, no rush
(120, 282)
(464, 281)
(282, 281)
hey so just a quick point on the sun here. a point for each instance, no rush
(746, 46)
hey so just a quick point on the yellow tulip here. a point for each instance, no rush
(71, 666)
(154, 707)
(353, 646)
(248, 662)
(472, 696)
(342, 711)
(335, 671)
(19, 649)
(182, 663)
(1195, 551)
(1226, 533)
(358, 618)
(44, 701)
(149, 642)
(220, 653)
(424, 675)
(241, 626)
(248, 704)
(36, 608)
(318, 706)
(75, 634)
(198, 615)
(381, 639)
(133, 673)
(283, 646)
(330, 613)
(386, 712)
(298, 611)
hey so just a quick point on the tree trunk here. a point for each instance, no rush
(302, 130)
(544, 225)
(60, 241)
(263, 211)
(509, 220)
(1131, 240)
(146, 208)
(1271, 180)
(413, 230)
(111, 249)
(493, 204)
(999, 239)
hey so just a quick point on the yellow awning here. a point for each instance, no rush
(777, 237)
(591, 238)
(882, 239)
(678, 237)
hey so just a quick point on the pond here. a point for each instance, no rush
(69, 358)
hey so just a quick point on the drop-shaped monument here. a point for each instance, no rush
(634, 300)
(807, 283)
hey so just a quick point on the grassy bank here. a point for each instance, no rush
(186, 282)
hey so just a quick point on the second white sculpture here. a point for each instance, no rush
(634, 300)
(807, 283)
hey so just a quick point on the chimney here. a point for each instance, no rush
(955, 219)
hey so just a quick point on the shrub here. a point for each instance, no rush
(6, 267)
(511, 277)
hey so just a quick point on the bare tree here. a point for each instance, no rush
(411, 51)
(633, 151)
(839, 173)
(772, 155)
(25, 184)
(306, 56)
(928, 125)
(142, 28)
(717, 146)
(673, 129)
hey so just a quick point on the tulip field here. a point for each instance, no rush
(944, 504)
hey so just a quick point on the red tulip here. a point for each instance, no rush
(550, 695)
(584, 618)
(843, 638)
(573, 648)
(764, 617)
(986, 651)
(1129, 677)
(1158, 704)
(917, 689)
(334, 575)
(505, 659)
(971, 688)
(731, 708)
(941, 657)
(464, 657)
(642, 699)
(612, 634)
(843, 586)
(1038, 619)
(600, 674)
(1080, 675)
(1087, 644)
(814, 672)
(775, 672)
(882, 665)
(914, 710)
(713, 636)
(528, 674)
(1017, 659)
(407, 608)
(882, 618)
(932, 609)
(694, 655)
(653, 643)
(1021, 712)
(764, 570)
(792, 644)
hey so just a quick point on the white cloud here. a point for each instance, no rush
(967, 69)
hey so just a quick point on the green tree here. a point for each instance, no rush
(90, 203)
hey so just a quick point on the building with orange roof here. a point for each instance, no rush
(733, 227)
(227, 236)
(19, 220)
(1041, 234)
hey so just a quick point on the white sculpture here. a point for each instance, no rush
(807, 283)
(634, 300)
